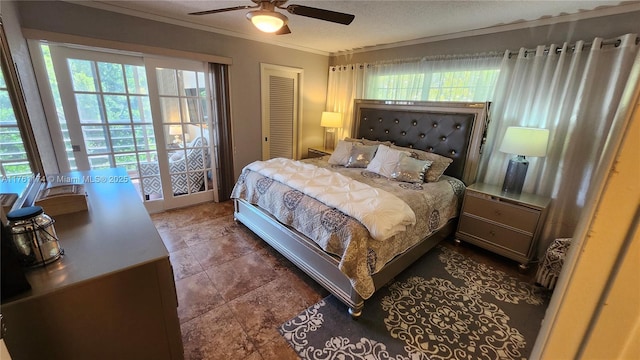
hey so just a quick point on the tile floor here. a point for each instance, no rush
(234, 290)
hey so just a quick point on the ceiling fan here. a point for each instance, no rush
(268, 20)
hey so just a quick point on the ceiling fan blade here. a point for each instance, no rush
(242, 7)
(321, 14)
(284, 30)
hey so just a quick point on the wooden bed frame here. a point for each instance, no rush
(455, 130)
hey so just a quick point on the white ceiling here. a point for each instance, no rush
(376, 23)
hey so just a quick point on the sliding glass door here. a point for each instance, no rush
(147, 116)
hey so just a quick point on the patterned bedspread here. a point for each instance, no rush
(360, 255)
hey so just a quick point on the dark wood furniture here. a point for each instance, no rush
(455, 130)
(507, 224)
(111, 296)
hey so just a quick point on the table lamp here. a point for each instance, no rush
(176, 131)
(521, 141)
(331, 121)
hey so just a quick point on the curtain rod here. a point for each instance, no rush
(484, 55)
(615, 42)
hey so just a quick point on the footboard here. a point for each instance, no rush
(321, 266)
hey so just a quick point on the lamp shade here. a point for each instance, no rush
(267, 21)
(175, 130)
(525, 141)
(331, 119)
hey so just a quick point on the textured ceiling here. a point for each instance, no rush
(376, 22)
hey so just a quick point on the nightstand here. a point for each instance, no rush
(318, 152)
(507, 224)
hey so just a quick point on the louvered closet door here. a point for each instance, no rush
(279, 112)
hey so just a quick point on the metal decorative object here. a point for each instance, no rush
(34, 237)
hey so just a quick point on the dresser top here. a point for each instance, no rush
(114, 234)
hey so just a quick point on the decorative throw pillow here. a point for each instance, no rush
(176, 156)
(437, 168)
(385, 160)
(361, 156)
(341, 153)
(368, 142)
(410, 170)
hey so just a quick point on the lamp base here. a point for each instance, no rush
(516, 173)
(329, 139)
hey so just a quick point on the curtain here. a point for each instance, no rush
(437, 78)
(346, 83)
(221, 123)
(573, 92)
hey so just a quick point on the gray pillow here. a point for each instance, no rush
(410, 170)
(361, 156)
(437, 168)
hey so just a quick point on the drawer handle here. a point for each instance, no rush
(498, 212)
(492, 233)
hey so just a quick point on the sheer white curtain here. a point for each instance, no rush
(346, 83)
(574, 93)
(437, 78)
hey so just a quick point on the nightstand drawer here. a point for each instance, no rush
(508, 239)
(501, 212)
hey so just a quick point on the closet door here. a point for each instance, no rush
(280, 88)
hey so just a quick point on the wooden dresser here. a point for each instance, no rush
(507, 224)
(111, 296)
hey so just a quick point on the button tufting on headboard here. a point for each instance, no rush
(430, 128)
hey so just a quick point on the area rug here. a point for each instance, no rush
(445, 306)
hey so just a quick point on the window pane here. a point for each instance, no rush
(95, 139)
(13, 156)
(170, 110)
(99, 162)
(111, 77)
(127, 161)
(117, 108)
(145, 140)
(121, 138)
(7, 116)
(88, 108)
(82, 75)
(136, 79)
(140, 109)
(12, 147)
(167, 82)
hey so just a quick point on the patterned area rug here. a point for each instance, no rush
(445, 306)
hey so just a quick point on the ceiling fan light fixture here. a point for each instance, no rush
(267, 21)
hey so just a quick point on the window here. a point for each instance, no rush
(439, 78)
(465, 85)
(13, 156)
(149, 116)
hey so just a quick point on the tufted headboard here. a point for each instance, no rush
(452, 129)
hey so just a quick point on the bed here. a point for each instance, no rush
(453, 130)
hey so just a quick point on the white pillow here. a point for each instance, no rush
(341, 153)
(385, 160)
